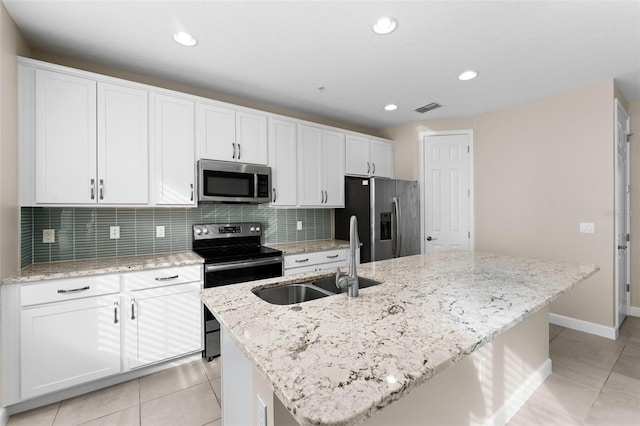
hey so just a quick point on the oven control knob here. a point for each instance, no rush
(205, 231)
(252, 229)
(198, 231)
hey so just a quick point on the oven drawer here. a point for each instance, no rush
(314, 258)
(161, 277)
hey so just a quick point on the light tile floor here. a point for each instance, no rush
(595, 381)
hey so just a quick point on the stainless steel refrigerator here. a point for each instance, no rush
(388, 212)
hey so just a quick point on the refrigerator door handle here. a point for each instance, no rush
(397, 240)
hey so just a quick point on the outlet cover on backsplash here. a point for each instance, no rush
(84, 233)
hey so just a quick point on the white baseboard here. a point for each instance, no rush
(634, 311)
(4, 417)
(518, 399)
(584, 326)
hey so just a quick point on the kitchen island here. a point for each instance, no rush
(395, 350)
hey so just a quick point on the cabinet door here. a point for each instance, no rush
(357, 156)
(65, 147)
(174, 151)
(282, 160)
(310, 168)
(251, 137)
(333, 156)
(216, 132)
(163, 323)
(69, 343)
(122, 145)
(381, 158)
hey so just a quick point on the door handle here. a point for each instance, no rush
(368, 167)
(326, 197)
(92, 185)
(234, 151)
(622, 247)
(274, 195)
(373, 172)
(102, 189)
(430, 238)
(239, 151)
(133, 309)
(302, 260)
(115, 312)
(73, 290)
(172, 277)
(396, 209)
(191, 185)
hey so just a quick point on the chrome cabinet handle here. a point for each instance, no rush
(239, 151)
(373, 172)
(332, 257)
(92, 185)
(74, 290)
(326, 197)
(321, 197)
(115, 312)
(172, 277)
(302, 260)
(274, 195)
(622, 247)
(368, 167)
(430, 238)
(191, 185)
(101, 186)
(133, 309)
(234, 151)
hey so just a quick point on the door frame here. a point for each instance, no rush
(422, 180)
(621, 215)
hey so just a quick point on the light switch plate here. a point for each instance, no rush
(299, 225)
(587, 228)
(114, 232)
(48, 236)
(159, 231)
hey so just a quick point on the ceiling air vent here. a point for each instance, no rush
(428, 107)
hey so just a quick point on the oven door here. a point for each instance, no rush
(219, 274)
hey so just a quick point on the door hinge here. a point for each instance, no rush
(628, 237)
(468, 234)
(628, 189)
(468, 193)
(629, 137)
(469, 149)
(627, 288)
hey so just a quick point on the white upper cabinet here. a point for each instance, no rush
(231, 135)
(321, 164)
(369, 157)
(174, 128)
(65, 139)
(282, 160)
(123, 156)
(91, 143)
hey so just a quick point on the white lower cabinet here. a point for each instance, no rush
(314, 261)
(69, 343)
(162, 323)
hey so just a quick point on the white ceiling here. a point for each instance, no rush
(279, 53)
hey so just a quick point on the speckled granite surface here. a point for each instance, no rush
(308, 246)
(338, 360)
(79, 268)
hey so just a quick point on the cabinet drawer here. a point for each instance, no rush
(68, 289)
(314, 258)
(161, 277)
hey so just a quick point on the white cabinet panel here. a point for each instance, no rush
(381, 158)
(216, 132)
(357, 152)
(162, 323)
(310, 173)
(314, 261)
(283, 162)
(122, 145)
(174, 151)
(69, 343)
(65, 146)
(251, 137)
(333, 160)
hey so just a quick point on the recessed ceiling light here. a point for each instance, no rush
(185, 39)
(467, 75)
(391, 107)
(385, 25)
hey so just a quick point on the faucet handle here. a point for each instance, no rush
(338, 277)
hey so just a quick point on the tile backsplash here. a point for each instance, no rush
(83, 233)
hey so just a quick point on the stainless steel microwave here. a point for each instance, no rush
(231, 182)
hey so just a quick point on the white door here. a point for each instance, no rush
(357, 152)
(123, 143)
(381, 158)
(310, 184)
(68, 343)
(447, 191)
(283, 162)
(216, 133)
(174, 151)
(622, 217)
(65, 165)
(333, 170)
(251, 138)
(163, 323)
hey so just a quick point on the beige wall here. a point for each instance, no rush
(158, 82)
(541, 168)
(634, 112)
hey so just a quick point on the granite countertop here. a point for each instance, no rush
(80, 268)
(308, 246)
(338, 360)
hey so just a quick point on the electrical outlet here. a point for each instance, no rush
(262, 411)
(159, 231)
(48, 236)
(299, 225)
(114, 232)
(587, 228)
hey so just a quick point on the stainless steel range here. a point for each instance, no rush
(232, 254)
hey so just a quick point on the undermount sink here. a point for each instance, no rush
(303, 292)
